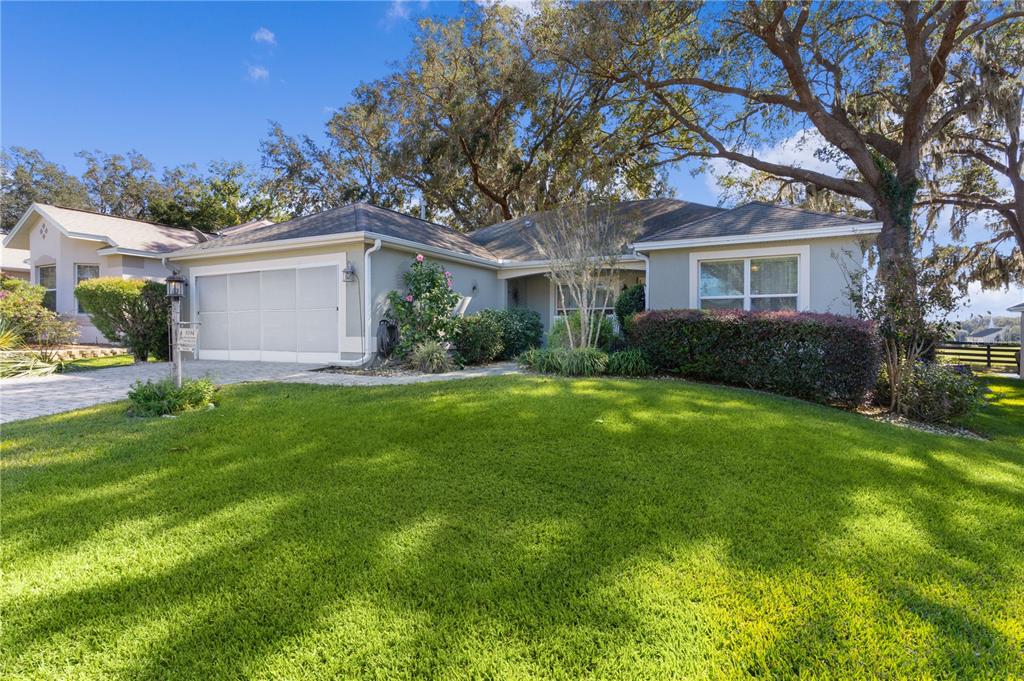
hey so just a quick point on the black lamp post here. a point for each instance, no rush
(176, 291)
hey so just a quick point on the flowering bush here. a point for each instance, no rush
(424, 310)
(819, 357)
(22, 309)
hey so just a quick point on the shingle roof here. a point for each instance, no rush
(14, 259)
(511, 239)
(753, 218)
(137, 235)
(982, 333)
(355, 217)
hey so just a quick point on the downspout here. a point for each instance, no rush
(367, 312)
(647, 278)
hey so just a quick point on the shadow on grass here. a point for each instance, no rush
(508, 526)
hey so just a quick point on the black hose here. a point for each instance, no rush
(387, 337)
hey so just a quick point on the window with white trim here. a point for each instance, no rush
(769, 283)
(46, 276)
(84, 273)
(565, 301)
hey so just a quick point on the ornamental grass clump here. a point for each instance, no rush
(163, 398)
(431, 357)
(424, 311)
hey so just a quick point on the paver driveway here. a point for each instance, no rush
(23, 398)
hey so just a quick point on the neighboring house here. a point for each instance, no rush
(314, 288)
(65, 246)
(992, 334)
(14, 263)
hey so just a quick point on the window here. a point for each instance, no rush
(768, 283)
(82, 273)
(46, 276)
(565, 302)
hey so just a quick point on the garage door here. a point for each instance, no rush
(279, 315)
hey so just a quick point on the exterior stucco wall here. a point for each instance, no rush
(390, 264)
(534, 293)
(668, 285)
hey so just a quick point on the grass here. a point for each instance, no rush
(511, 527)
(90, 363)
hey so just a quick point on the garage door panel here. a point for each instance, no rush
(213, 333)
(212, 293)
(277, 289)
(317, 288)
(244, 291)
(279, 333)
(244, 330)
(280, 314)
(317, 330)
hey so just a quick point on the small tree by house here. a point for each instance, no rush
(583, 245)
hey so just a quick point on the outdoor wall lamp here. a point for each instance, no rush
(349, 273)
(175, 287)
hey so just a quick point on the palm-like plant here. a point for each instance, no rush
(16, 359)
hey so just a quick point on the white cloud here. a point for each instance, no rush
(797, 150)
(264, 35)
(984, 303)
(402, 10)
(258, 73)
(528, 7)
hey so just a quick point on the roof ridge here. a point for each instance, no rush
(406, 215)
(115, 217)
(800, 210)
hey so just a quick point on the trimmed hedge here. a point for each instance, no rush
(477, 338)
(818, 357)
(521, 329)
(134, 312)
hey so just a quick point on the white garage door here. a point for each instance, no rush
(279, 315)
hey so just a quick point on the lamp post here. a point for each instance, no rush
(175, 291)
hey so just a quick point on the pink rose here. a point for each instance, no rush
(419, 257)
(447, 274)
(408, 298)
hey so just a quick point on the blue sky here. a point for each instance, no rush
(195, 82)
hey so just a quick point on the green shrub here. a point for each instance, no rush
(477, 339)
(158, 398)
(577, 362)
(818, 357)
(521, 329)
(559, 337)
(131, 311)
(431, 357)
(631, 362)
(424, 311)
(629, 303)
(22, 309)
(935, 392)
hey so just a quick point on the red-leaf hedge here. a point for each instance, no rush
(818, 357)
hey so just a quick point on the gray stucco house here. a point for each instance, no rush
(314, 288)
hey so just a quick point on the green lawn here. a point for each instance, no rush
(511, 527)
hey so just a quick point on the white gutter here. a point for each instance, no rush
(647, 278)
(368, 351)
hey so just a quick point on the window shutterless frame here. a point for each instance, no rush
(801, 253)
(84, 272)
(46, 276)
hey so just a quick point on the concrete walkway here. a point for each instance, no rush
(23, 398)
